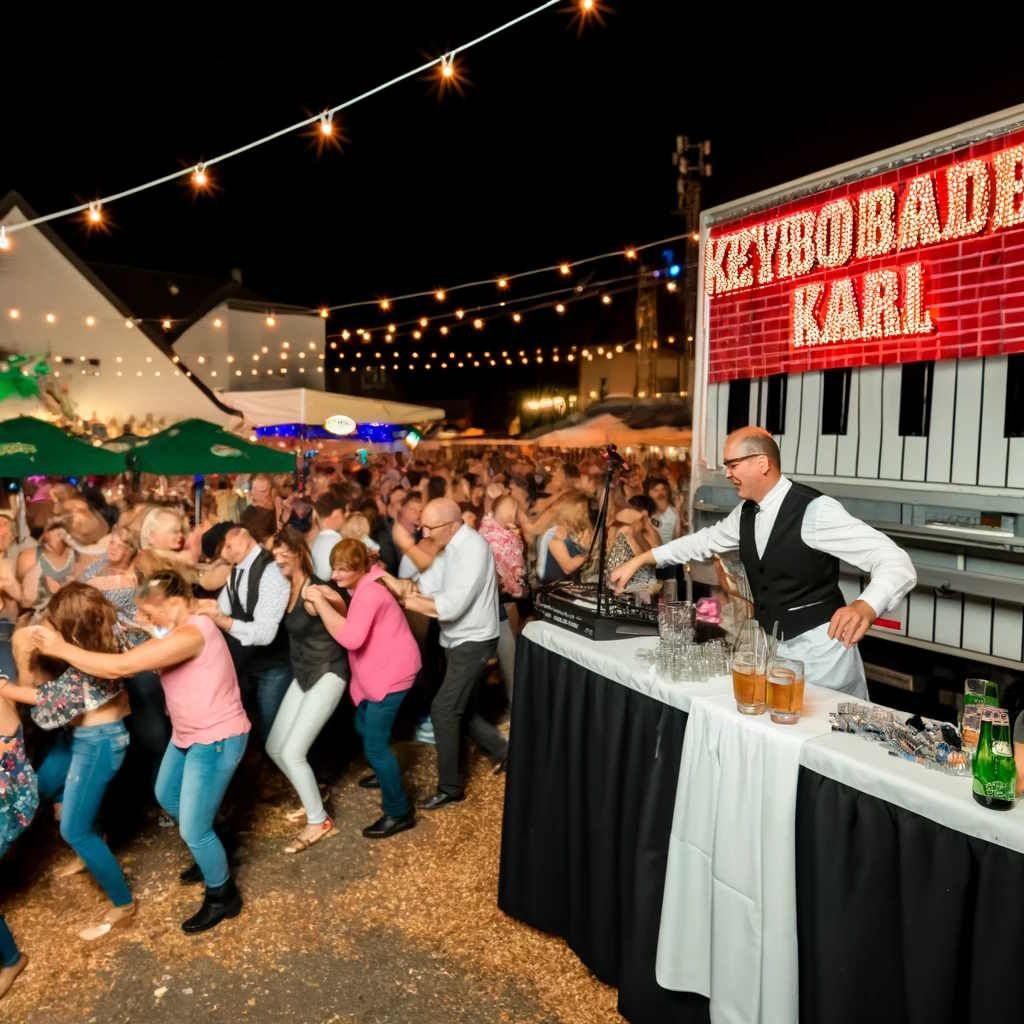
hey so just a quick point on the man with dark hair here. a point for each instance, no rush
(330, 517)
(437, 487)
(250, 609)
(383, 531)
(791, 540)
(348, 493)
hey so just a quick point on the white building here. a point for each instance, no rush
(140, 348)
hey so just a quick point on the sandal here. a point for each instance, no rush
(116, 917)
(299, 844)
(299, 814)
(8, 974)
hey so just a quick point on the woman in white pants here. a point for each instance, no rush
(320, 665)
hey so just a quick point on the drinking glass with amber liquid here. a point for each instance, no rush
(748, 669)
(785, 690)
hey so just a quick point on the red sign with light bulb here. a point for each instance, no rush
(922, 262)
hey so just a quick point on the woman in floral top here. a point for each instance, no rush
(19, 798)
(92, 742)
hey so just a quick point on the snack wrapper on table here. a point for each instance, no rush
(936, 745)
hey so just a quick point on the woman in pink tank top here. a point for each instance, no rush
(210, 728)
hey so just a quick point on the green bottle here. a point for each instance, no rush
(995, 771)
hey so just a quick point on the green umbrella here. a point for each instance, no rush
(195, 446)
(30, 447)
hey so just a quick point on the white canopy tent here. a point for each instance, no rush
(608, 429)
(311, 407)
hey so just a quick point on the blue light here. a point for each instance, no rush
(673, 271)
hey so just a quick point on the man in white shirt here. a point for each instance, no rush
(791, 540)
(460, 590)
(250, 609)
(330, 516)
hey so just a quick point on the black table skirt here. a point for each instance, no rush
(901, 920)
(591, 788)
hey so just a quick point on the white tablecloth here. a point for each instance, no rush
(728, 919)
(944, 799)
(728, 924)
(617, 660)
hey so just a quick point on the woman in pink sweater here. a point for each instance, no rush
(383, 660)
(210, 729)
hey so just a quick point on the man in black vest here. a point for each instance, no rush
(249, 610)
(791, 540)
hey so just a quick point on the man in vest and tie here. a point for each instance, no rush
(791, 540)
(250, 609)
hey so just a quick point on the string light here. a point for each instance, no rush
(460, 313)
(503, 282)
(166, 325)
(423, 321)
(478, 324)
(517, 318)
(5, 242)
(50, 318)
(14, 314)
(199, 176)
(217, 322)
(559, 307)
(324, 312)
(129, 323)
(606, 300)
(271, 321)
(90, 321)
(95, 214)
(327, 124)
(446, 60)
(385, 305)
(440, 295)
(564, 269)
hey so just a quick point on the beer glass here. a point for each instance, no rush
(785, 690)
(748, 669)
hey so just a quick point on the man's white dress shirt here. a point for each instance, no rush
(829, 528)
(271, 602)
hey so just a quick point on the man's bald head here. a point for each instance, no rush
(441, 520)
(440, 510)
(752, 462)
(754, 441)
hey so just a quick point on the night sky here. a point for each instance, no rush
(559, 148)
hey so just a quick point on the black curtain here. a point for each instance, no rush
(901, 920)
(591, 789)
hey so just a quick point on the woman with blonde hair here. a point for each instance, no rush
(162, 543)
(569, 547)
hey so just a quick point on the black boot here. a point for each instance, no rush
(218, 903)
(191, 874)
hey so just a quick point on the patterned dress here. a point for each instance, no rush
(19, 794)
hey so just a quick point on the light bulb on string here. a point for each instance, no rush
(630, 253)
(385, 305)
(559, 308)
(460, 313)
(424, 321)
(95, 213)
(444, 329)
(200, 179)
(324, 313)
(606, 300)
(517, 318)
(5, 242)
(478, 324)
(503, 282)
(440, 295)
(565, 270)
(14, 314)
(51, 318)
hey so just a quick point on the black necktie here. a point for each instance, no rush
(751, 507)
(236, 574)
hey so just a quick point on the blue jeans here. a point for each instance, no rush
(9, 953)
(76, 773)
(190, 786)
(374, 719)
(7, 666)
(270, 684)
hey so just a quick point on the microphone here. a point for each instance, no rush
(614, 458)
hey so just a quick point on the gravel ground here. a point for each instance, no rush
(352, 932)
